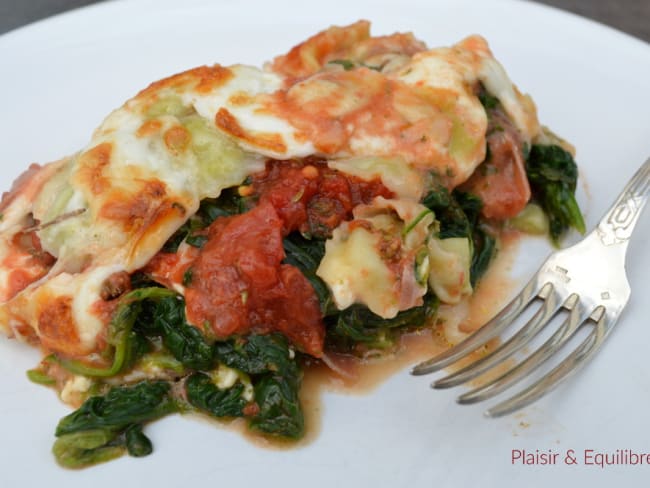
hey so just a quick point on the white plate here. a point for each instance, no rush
(59, 79)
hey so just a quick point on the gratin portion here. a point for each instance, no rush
(231, 226)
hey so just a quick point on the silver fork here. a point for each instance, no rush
(568, 280)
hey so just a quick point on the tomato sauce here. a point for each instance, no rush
(310, 197)
(169, 268)
(239, 283)
(501, 181)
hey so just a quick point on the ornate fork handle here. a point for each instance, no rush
(617, 225)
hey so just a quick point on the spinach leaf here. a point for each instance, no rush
(137, 444)
(280, 410)
(306, 255)
(459, 214)
(303, 252)
(276, 379)
(125, 344)
(105, 427)
(471, 206)
(166, 317)
(177, 238)
(256, 354)
(488, 101)
(483, 242)
(142, 280)
(196, 240)
(86, 448)
(228, 203)
(121, 406)
(484, 245)
(553, 175)
(39, 374)
(357, 324)
(203, 394)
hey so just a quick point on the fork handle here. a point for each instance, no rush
(617, 225)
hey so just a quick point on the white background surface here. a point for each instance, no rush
(62, 76)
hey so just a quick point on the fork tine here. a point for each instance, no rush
(516, 342)
(576, 317)
(490, 330)
(571, 364)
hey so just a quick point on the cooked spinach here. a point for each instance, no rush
(553, 175)
(86, 448)
(187, 276)
(137, 444)
(228, 203)
(470, 204)
(177, 237)
(306, 254)
(166, 318)
(196, 240)
(40, 378)
(357, 324)
(484, 249)
(203, 394)
(106, 427)
(280, 412)
(459, 214)
(276, 379)
(140, 279)
(275, 376)
(125, 344)
(255, 354)
(120, 407)
(488, 101)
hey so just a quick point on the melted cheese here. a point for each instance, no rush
(62, 310)
(239, 110)
(355, 272)
(449, 268)
(75, 389)
(396, 175)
